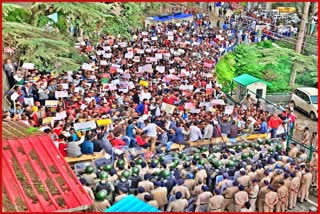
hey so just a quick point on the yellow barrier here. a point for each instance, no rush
(84, 158)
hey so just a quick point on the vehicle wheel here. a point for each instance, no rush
(313, 116)
(294, 104)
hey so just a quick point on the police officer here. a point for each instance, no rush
(101, 203)
(134, 180)
(123, 183)
(178, 205)
(215, 203)
(146, 183)
(141, 193)
(89, 175)
(105, 185)
(160, 195)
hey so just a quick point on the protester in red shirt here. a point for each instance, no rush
(274, 123)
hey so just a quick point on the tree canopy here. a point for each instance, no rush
(273, 64)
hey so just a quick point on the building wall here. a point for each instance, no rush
(257, 85)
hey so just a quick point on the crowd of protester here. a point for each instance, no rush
(155, 90)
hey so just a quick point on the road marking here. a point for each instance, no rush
(313, 203)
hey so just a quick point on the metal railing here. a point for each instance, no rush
(309, 148)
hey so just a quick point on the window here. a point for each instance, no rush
(314, 99)
(259, 93)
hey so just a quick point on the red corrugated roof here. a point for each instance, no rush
(36, 178)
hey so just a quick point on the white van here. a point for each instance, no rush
(306, 99)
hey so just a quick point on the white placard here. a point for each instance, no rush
(59, 94)
(170, 38)
(228, 109)
(136, 59)
(107, 55)
(161, 69)
(28, 66)
(140, 51)
(128, 55)
(29, 101)
(158, 56)
(167, 108)
(14, 96)
(65, 85)
(85, 126)
(154, 38)
(107, 48)
(86, 66)
(217, 102)
(51, 103)
(60, 115)
(103, 62)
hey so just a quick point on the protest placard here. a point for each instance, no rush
(104, 122)
(86, 66)
(29, 101)
(158, 56)
(83, 106)
(103, 62)
(189, 106)
(217, 102)
(154, 38)
(28, 66)
(161, 69)
(59, 94)
(170, 38)
(136, 59)
(60, 115)
(140, 51)
(47, 120)
(112, 87)
(167, 108)
(51, 103)
(143, 83)
(65, 85)
(84, 126)
(107, 56)
(195, 111)
(208, 65)
(228, 109)
(128, 55)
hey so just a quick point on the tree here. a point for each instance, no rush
(300, 39)
(47, 50)
(225, 69)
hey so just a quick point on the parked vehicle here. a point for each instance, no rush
(306, 99)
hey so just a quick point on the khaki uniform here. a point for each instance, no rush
(190, 184)
(160, 195)
(119, 197)
(141, 195)
(253, 195)
(215, 203)
(113, 178)
(305, 185)
(293, 152)
(202, 201)
(221, 183)
(244, 180)
(197, 190)
(252, 175)
(276, 179)
(293, 192)
(283, 198)
(100, 206)
(240, 198)
(89, 192)
(89, 178)
(154, 203)
(261, 197)
(271, 199)
(228, 197)
(261, 183)
(178, 205)
(147, 185)
(183, 189)
(202, 174)
(287, 183)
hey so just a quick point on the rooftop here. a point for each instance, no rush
(246, 79)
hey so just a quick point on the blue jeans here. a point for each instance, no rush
(273, 132)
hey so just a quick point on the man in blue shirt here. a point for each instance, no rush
(87, 145)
